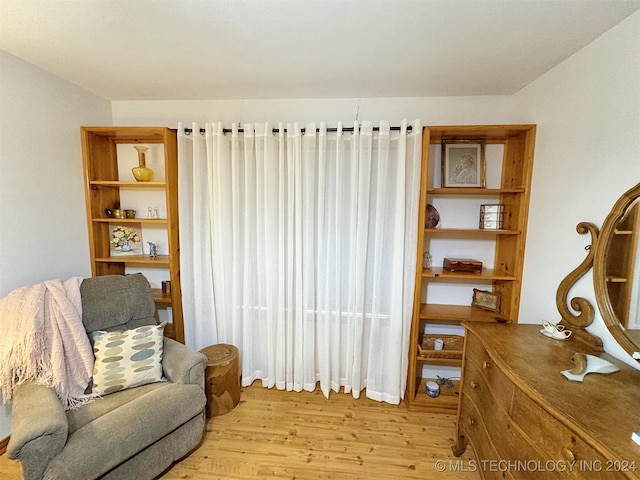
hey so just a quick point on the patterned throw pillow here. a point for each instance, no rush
(126, 359)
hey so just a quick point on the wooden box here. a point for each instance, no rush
(467, 265)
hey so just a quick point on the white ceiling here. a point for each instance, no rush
(222, 49)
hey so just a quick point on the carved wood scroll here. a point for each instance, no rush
(586, 313)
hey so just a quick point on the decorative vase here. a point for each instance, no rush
(432, 218)
(141, 172)
(125, 247)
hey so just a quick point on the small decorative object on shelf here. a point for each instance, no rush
(126, 240)
(486, 300)
(166, 287)
(492, 217)
(114, 213)
(463, 163)
(117, 213)
(432, 218)
(153, 249)
(141, 172)
(433, 389)
(467, 265)
(427, 261)
(441, 346)
(444, 382)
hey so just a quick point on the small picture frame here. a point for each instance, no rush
(492, 217)
(486, 300)
(463, 163)
(125, 240)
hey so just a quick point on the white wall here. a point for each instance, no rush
(42, 215)
(587, 154)
(432, 110)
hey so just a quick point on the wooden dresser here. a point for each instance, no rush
(524, 419)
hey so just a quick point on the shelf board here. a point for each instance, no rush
(127, 134)
(471, 231)
(446, 362)
(132, 184)
(484, 275)
(160, 298)
(160, 260)
(147, 221)
(488, 133)
(439, 313)
(474, 191)
(447, 401)
(617, 280)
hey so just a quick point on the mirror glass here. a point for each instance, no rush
(622, 270)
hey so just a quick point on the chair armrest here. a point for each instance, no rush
(181, 364)
(39, 428)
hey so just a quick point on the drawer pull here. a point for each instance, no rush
(471, 421)
(474, 384)
(486, 364)
(570, 455)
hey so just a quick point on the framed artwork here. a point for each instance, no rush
(486, 300)
(125, 240)
(492, 217)
(463, 163)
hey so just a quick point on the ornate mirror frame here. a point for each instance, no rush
(578, 322)
(599, 269)
(596, 258)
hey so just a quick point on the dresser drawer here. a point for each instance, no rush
(558, 442)
(472, 427)
(482, 375)
(516, 455)
(494, 421)
(503, 451)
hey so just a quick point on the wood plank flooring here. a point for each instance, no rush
(288, 435)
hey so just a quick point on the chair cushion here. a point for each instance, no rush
(88, 413)
(117, 302)
(107, 432)
(126, 359)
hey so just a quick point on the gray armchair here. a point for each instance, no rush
(136, 433)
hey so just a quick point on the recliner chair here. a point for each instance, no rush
(136, 433)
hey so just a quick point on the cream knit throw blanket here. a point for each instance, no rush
(42, 337)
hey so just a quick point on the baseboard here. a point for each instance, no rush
(3, 445)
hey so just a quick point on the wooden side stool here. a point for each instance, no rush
(222, 379)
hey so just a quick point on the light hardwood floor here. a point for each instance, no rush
(287, 435)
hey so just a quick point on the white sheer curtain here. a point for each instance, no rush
(300, 250)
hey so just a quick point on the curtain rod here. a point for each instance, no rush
(276, 130)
